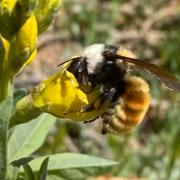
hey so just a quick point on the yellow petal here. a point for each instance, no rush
(4, 50)
(24, 44)
(61, 96)
(27, 35)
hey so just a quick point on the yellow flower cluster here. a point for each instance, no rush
(20, 23)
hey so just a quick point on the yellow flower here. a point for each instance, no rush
(61, 96)
(20, 21)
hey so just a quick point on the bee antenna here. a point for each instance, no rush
(72, 59)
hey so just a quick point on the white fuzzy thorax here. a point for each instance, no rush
(94, 56)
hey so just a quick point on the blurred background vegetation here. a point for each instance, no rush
(150, 28)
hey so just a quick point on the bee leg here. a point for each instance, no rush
(94, 105)
(88, 108)
(105, 97)
(108, 95)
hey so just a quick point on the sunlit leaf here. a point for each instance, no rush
(26, 138)
(42, 173)
(29, 175)
(71, 160)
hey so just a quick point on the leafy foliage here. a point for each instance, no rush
(26, 138)
(152, 151)
(69, 166)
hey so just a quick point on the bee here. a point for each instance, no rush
(106, 67)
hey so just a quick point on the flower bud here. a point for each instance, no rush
(23, 45)
(4, 76)
(6, 22)
(45, 12)
(6, 6)
(4, 50)
(28, 5)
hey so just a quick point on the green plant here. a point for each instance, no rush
(20, 23)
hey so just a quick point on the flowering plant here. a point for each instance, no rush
(21, 21)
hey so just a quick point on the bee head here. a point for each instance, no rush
(98, 55)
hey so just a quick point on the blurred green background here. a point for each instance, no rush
(152, 30)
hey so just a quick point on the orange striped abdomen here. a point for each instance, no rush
(130, 108)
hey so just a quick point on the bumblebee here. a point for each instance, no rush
(105, 67)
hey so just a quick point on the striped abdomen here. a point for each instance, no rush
(130, 108)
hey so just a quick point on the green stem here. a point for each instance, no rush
(24, 111)
(3, 149)
(4, 81)
(5, 112)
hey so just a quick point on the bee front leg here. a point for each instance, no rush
(108, 95)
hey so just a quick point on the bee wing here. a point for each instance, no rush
(165, 77)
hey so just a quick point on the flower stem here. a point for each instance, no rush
(3, 149)
(5, 112)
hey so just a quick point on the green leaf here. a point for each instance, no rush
(28, 137)
(5, 109)
(12, 172)
(55, 177)
(72, 166)
(28, 173)
(71, 160)
(22, 161)
(43, 170)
